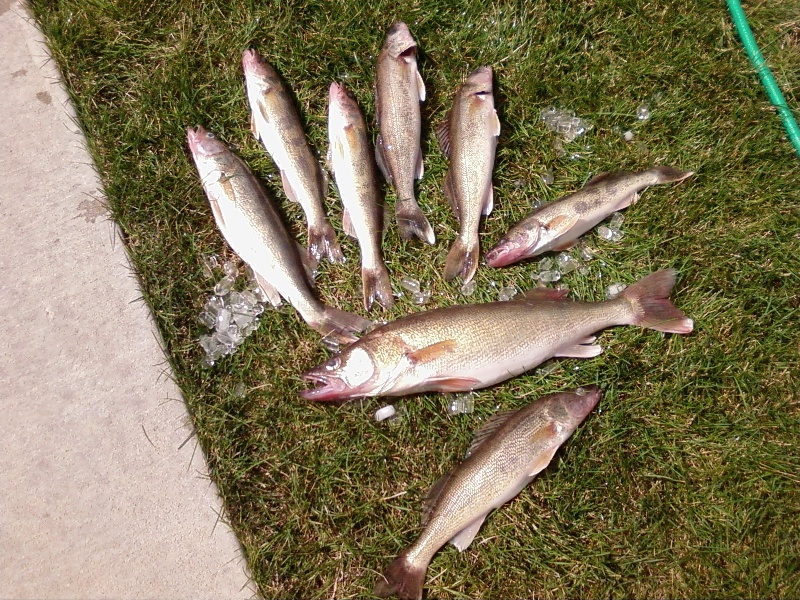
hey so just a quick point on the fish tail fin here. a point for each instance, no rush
(376, 285)
(401, 578)
(650, 300)
(666, 174)
(322, 242)
(339, 325)
(461, 260)
(412, 223)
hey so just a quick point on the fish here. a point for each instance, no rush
(468, 137)
(505, 456)
(275, 122)
(353, 166)
(399, 89)
(558, 225)
(472, 346)
(250, 224)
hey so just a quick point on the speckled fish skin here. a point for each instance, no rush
(399, 89)
(276, 124)
(508, 452)
(252, 227)
(557, 225)
(471, 346)
(354, 171)
(469, 139)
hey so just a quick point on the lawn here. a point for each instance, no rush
(683, 483)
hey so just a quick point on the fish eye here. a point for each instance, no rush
(211, 135)
(333, 364)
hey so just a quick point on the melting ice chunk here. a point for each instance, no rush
(462, 403)
(614, 290)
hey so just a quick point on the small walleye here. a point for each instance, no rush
(471, 346)
(557, 225)
(254, 230)
(275, 122)
(399, 89)
(468, 137)
(507, 453)
(354, 171)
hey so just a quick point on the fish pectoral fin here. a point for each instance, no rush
(432, 352)
(443, 135)
(254, 127)
(540, 462)
(420, 87)
(380, 158)
(565, 246)
(464, 538)
(562, 223)
(455, 384)
(496, 123)
(271, 292)
(217, 212)
(347, 224)
(626, 201)
(584, 348)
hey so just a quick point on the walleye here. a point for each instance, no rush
(354, 170)
(274, 121)
(557, 225)
(468, 137)
(253, 229)
(471, 346)
(506, 454)
(398, 91)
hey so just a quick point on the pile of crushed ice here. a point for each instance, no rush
(414, 287)
(564, 122)
(230, 315)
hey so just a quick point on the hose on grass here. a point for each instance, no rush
(764, 73)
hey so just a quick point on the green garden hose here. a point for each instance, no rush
(755, 56)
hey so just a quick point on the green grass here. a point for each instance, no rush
(684, 483)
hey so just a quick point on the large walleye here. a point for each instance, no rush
(506, 454)
(275, 122)
(254, 230)
(471, 346)
(354, 170)
(398, 91)
(468, 137)
(557, 225)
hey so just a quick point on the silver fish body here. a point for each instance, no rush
(399, 89)
(276, 124)
(557, 225)
(469, 138)
(353, 168)
(507, 453)
(252, 227)
(466, 347)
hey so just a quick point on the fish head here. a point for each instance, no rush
(399, 43)
(342, 106)
(523, 240)
(203, 143)
(479, 83)
(580, 402)
(257, 70)
(349, 374)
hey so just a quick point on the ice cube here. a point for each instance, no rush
(469, 288)
(643, 112)
(239, 390)
(548, 177)
(549, 276)
(230, 269)
(224, 285)
(224, 319)
(587, 253)
(385, 412)
(507, 293)
(242, 320)
(547, 368)
(614, 290)
(628, 136)
(584, 270)
(420, 297)
(616, 220)
(566, 263)
(209, 264)
(410, 284)
(207, 319)
(546, 264)
(462, 403)
(605, 232)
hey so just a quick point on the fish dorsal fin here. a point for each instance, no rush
(496, 123)
(443, 135)
(420, 87)
(492, 424)
(606, 177)
(432, 352)
(432, 499)
(542, 293)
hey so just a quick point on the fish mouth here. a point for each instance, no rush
(589, 396)
(325, 387)
(503, 255)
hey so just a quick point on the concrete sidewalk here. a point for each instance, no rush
(98, 497)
